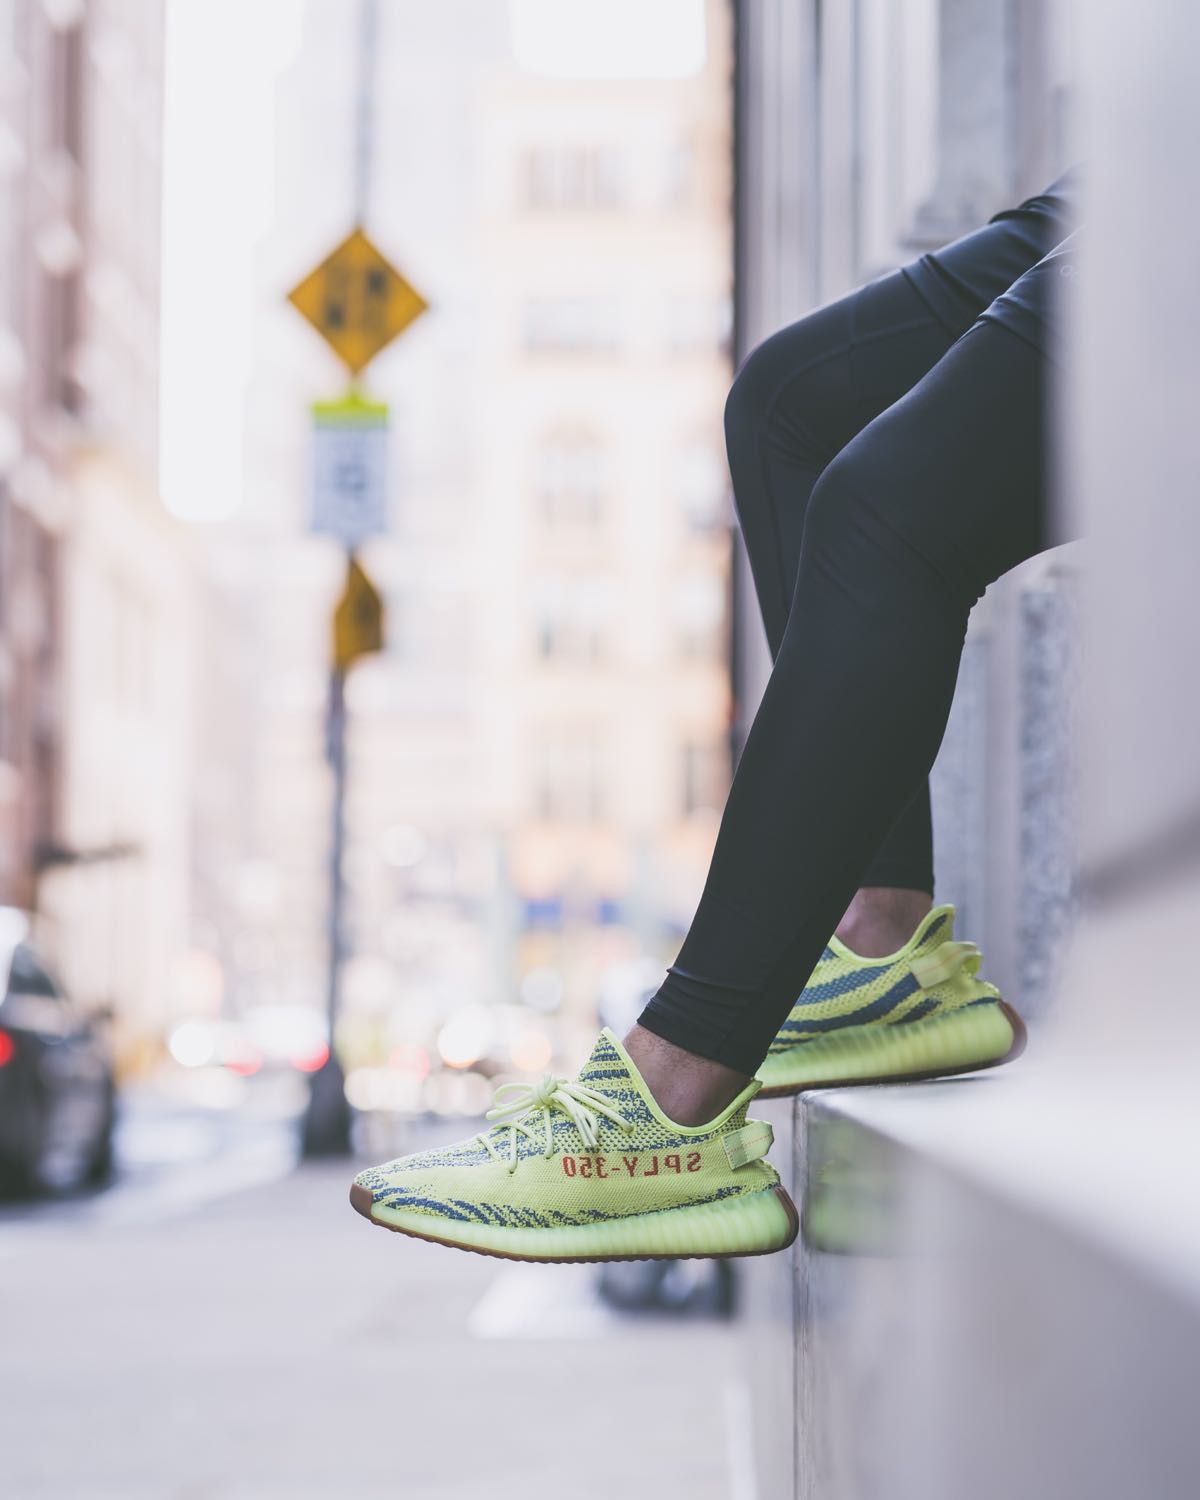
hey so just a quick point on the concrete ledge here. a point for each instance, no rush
(996, 1291)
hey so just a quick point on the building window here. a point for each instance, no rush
(568, 783)
(699, 609)
(572, 178)
(679, 176)
(702, 485)
(57, 244)
(572, 615)
(429, 627)
(571, 480)
(571, 325)
(698, 323)
(705, 778)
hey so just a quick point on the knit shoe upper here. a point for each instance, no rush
(920, 1012)
(590, 1170)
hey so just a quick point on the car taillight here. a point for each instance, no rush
(245, 1064)
(7, 1048)
(311, 1061)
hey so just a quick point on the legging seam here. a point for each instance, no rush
(855, 341)
(773, 521)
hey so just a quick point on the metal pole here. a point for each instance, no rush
(337, 841)
(364, 134)
(327, 1121)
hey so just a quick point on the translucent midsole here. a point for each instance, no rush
(750, 1224)
(970, 1037)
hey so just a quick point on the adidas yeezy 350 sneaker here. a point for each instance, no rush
(922, 1012)
(590, 1170)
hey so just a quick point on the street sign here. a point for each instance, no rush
(349, 471)
(357, 619)
(357, 301)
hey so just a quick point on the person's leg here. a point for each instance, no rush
(796, 402)
(932, 501)
(649, 1151)
(905, 529)
(799, 398)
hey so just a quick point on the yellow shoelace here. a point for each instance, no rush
(584, 1107)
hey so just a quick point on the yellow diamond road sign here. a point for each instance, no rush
(357, 301)
(357, 619)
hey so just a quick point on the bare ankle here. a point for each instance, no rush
(881, 919)
(689, 1090)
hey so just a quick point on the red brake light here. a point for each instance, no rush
(313, 1060)
(7, 1048)
(245, 1064)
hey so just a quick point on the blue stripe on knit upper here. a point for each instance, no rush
(831, 989)
(408, 1200)
(936, 927)
(918, 1012)
(886, 1003)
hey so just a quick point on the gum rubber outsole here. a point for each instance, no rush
(779, 1216)
(922, 1050)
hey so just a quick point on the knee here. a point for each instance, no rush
(750, 396)
(786, 393)
(871, 530)
(839, 516)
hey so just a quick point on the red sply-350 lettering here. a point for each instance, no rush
(651, 1165)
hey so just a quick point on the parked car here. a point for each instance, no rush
(57, 1094)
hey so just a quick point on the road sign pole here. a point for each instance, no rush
(337, 841)
(358, 302)
(364, 138)
(327, 1121)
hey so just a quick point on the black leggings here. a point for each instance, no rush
(887, 458)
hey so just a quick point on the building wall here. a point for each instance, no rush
(93, 578)
(37, 183)
(995, 1287)
(866, 134)
(607, 328)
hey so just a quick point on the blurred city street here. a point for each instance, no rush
(222, 1327)
(354, 724)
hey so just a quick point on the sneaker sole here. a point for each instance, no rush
(964, 1041)
(751, 1224)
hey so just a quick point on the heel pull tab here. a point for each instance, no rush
(749, 1143)
(944, 962)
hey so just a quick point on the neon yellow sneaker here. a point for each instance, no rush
(921, 1012)
(590, 1170)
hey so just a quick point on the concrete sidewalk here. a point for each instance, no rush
(274, 1345)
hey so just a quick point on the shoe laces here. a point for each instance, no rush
(520, 1108)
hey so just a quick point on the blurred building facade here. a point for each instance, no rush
(607, 298)
(538, 757)
(94, 674)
